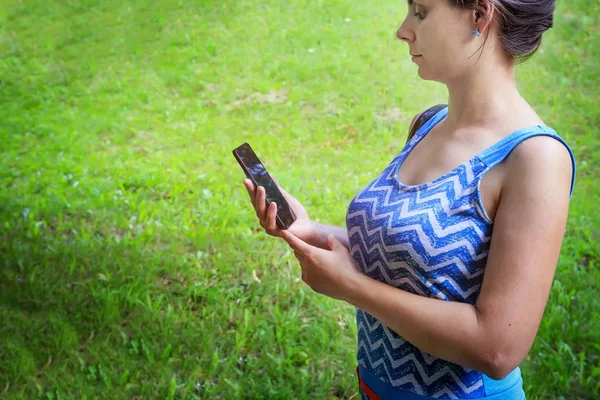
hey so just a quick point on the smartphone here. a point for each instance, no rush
(258, 174)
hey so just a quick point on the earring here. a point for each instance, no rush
(476, 32)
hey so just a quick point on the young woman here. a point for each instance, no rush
(449, 254)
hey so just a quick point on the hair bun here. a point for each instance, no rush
(522, 24)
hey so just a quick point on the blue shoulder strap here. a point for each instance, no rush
(424, 117)
(499, 151)
(431, 122)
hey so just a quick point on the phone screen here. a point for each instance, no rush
(258, 173)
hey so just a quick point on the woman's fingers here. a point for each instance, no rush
(271, 218)
(267, 215)
(257, 197)
(250, 189)
(260, 204)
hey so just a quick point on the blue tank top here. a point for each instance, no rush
(433, 240)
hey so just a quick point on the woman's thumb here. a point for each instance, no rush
(275, 180)
(332, 242)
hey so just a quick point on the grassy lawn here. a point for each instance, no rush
(131, 266)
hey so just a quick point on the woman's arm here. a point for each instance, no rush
(322, 231)
(494, 335)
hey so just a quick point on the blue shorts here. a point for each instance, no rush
(373, 388)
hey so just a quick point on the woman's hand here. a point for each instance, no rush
(303, 227)
(330, 272)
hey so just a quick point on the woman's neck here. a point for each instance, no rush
(486, 94)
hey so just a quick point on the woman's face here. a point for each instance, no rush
(440, 39)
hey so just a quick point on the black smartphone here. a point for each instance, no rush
(258, 174)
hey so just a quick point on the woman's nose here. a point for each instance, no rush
(404, 33)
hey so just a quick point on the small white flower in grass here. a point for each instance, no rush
(347, 20)
(311, 50)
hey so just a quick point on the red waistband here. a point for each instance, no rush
(371, 395)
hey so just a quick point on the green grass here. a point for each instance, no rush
(131, 266)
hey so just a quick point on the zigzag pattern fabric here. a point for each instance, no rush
(432, 240)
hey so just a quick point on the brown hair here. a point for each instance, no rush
(521, 23)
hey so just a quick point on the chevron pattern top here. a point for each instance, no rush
(433, 240)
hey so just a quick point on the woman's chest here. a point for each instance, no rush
(424, 165)
(420, 238)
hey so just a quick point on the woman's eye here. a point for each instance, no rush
(420, 15)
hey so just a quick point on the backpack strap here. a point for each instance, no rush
(422, 118)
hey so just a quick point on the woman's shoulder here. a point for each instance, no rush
(422, 117)
(540, 157)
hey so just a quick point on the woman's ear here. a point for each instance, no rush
(483, 14)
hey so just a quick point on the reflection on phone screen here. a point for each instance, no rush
(261, 176)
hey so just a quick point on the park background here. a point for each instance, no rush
(131, 263)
